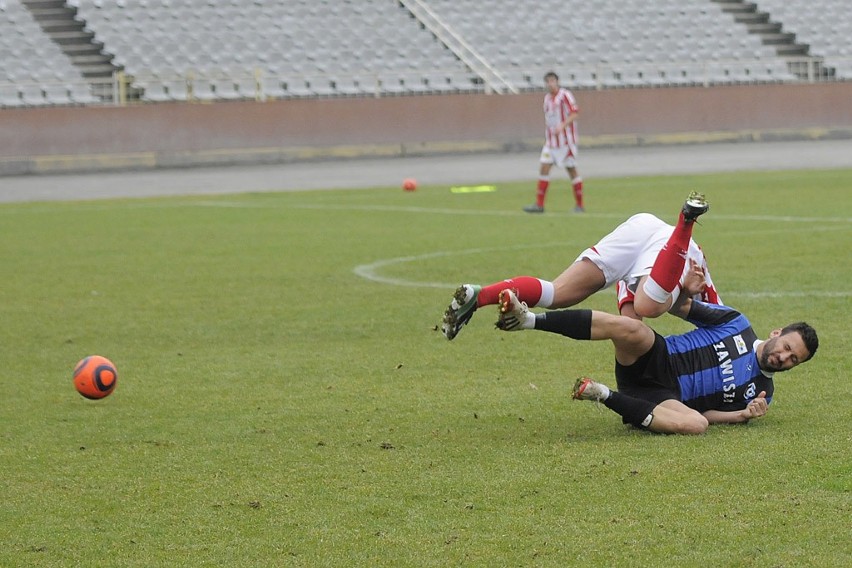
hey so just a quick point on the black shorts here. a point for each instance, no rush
(651, 377)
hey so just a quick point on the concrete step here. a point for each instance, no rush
(792, 50)
(752, 18)
(43, 4)
(48, 13)
(764, 28)
(72, 37)
(93, 48)
(780, 38)
(54, 25)
(738, 7)
(104, 70)
(90, 59)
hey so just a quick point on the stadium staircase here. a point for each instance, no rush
(59, 22)
(491, 77)
(800, 62)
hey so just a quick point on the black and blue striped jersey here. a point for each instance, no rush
(716, 365)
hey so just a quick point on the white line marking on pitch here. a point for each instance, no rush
(370, 272)
(519, 213)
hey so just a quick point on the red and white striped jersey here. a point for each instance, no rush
(556, 111)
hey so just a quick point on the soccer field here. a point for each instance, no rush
(285, 397)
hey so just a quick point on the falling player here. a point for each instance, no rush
(624, 257)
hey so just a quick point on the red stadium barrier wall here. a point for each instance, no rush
(57, 139)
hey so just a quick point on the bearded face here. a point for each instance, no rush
(782, 352)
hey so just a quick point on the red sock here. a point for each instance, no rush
(541, 191)
(671, 259)
(527, 288)
(577, 184)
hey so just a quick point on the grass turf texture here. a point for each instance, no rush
(275, 408)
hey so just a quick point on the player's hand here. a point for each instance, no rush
(694, 281)
(757, 407)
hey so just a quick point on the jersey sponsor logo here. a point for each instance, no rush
(726, 366)
(741, 344)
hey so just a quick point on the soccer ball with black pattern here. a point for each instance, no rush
(95, 377)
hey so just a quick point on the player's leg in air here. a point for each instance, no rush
(609, 261)
(578, 282)
(657, 292)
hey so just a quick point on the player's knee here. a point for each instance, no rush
(692, 424)
(645, 307)
(627, 311)
(631, 330)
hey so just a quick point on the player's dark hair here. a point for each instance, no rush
(809, 336)
(551, 74)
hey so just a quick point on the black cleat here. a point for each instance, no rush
(695, 206)
(460, 310)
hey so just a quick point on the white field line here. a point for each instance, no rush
(371, 272)
(519, 213)
(95, 205)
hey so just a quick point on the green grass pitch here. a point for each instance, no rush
(285, 397)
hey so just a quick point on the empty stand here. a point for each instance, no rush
(211, 50)
(297, 48)
(824, 25)
(33, 69)
(615, 43)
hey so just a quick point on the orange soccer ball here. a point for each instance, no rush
(95, 377)
(409, 184)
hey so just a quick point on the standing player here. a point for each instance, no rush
(625, 257)
(560, 142)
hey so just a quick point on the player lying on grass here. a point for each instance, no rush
(625, 256)
(680, 384)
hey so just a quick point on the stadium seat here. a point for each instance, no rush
(32, 94)
(57, 94)
(10, 96)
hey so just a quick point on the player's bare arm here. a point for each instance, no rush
(756, 408)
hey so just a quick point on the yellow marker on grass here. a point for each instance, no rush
(473, 188)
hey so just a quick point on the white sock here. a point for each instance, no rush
(547, 293)
(529, 321)
(605, 392)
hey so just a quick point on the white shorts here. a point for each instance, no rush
(629, 252)
(563, 156)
